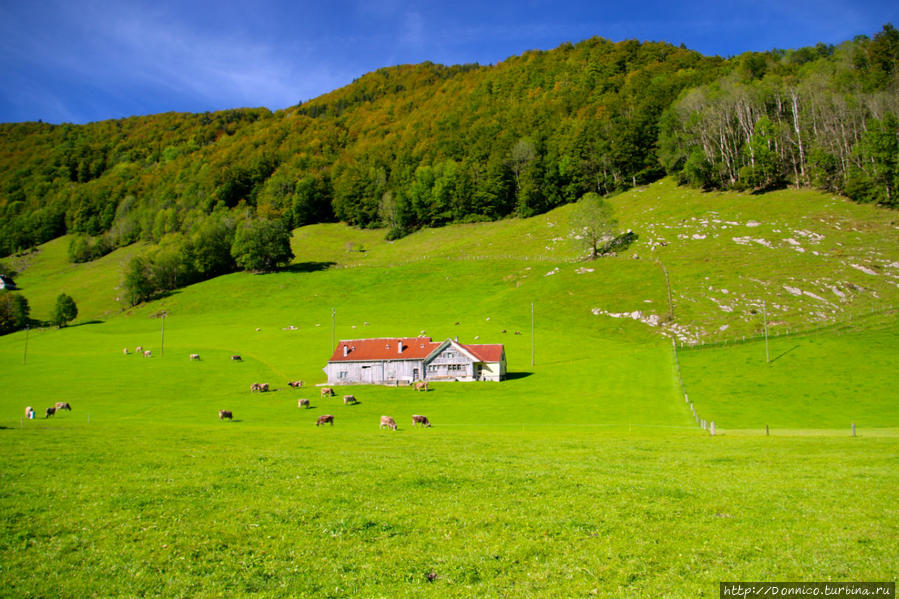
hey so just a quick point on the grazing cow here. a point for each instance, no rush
(28, 411)
(195, 356)
(139, 349)
(327, 392)
(421, 386)
(254, 387)
(63, 405)
(49, 412)
(125, 350)
(236, 358)
(303, 403)
(295, 384)
(261, 387)
(422, 420)
(147, 354)
(225, 414)
(388, 422)
(349, 399)
(325, 419)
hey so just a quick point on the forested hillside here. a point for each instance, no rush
(424, 145)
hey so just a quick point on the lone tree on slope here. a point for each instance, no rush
(65, 310)
(594, 222)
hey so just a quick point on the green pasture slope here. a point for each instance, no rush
(582, 475)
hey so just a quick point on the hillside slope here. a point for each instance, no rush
(809, 257)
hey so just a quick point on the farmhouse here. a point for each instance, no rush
(404, 360)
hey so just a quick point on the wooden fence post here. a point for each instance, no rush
(853, 429)
(712, 430)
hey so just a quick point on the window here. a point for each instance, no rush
(342, 374)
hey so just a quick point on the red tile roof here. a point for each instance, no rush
(486, 352)
(414, 348)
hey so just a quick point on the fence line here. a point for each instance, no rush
(700, 422)
(810, 328)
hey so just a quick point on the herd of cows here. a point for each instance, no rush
(348, 400)
(386, 421)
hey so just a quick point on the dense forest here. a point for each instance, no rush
(424, 145)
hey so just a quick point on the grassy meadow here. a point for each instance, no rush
(584, 474)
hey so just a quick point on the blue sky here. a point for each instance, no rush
(79, 61)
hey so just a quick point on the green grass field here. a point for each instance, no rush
(584, 474)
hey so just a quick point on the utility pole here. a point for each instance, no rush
(765, 318)
(532, 334)
(162, 342)
(333, 340)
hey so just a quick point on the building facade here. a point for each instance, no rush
(405, 360)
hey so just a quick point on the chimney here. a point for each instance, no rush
(346, 350)
(399, 346)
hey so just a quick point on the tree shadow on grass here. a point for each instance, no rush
(301, 267)
(511, 376)
(81, 324)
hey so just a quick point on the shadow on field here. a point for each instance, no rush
(783, 354)
(81, 324)
(309, 266)
(511, 376)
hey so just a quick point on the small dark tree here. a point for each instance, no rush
(14, 312)
(138, 285)
(262, 245)
(65, 311)
(592, 223)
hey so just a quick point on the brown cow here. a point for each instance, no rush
(195, 356)
(325, 419)
(139, 349)
(327, 392)
(63, 405)
(349, 399)
(49, 412)
(422, 420)
(236, 358)
(225, 414)
(261, 387)
(421, 386)
(303, 403)
(388, 422)
(295, 384)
